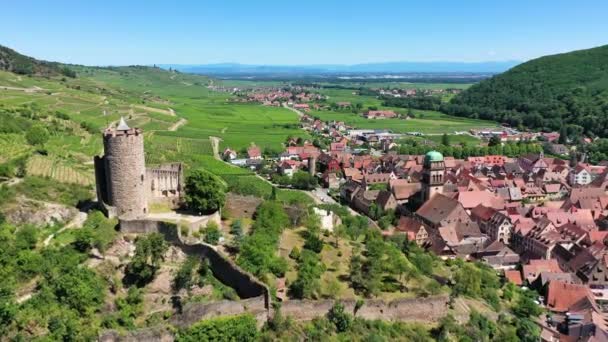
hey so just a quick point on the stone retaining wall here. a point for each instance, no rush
(424, 310)
(194, 312)
(224, 269)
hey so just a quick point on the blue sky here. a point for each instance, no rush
(299, 32)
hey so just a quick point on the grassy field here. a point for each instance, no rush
(425, 122)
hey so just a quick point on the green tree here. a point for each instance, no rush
(303, 180)
(149, 252)
(445, 140)
(37, 135)
(467, 281)
(310, 270)
(205, 193)
(80, 289)
(494, 141)
(341, 320)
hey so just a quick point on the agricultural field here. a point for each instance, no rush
(429, 122)
(156, 101)
(426, 121)
(12, 146)
(54, 169)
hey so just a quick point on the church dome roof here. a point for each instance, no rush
(433, 156)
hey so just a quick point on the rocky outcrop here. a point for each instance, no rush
(39, 213)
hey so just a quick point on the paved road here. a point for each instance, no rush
(300, 114)
(323, 196)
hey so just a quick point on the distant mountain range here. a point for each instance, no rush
(388, 67)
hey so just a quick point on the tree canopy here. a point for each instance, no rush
(205, 192)
(545, 93)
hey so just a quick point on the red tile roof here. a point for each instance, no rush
(536, 266)
(514, 276)
(563, 296)
(471, 199)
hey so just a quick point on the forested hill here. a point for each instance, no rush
(11, 60)
(569, 89)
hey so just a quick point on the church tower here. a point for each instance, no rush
(433, 175)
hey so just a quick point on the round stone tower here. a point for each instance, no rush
(125, 170)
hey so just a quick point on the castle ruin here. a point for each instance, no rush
(125, 187)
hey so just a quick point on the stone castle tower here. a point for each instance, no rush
(121, 172)
(432, 175)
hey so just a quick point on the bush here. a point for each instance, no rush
(295, 253)
(212, 233)
(240, 328)
(183, 277)
(341, 320)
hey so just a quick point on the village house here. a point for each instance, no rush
(580, 175)
(229, 154)
(254, 152)
(499, 256)
(414, 230)
(379, 114)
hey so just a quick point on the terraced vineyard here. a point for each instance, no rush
(12, 146)
(54, 169)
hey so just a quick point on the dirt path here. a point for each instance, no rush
(178, 124)
(13, 181)
(76, 222)
(300, 114)
(169, 111)
(27, 90)
(215, 144)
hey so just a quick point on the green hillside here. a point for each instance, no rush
(566, 89)
(177, 111)
(12, 61)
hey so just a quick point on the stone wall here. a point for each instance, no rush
(160, 334)
(224, 269)
(164, 184)
(194, 312)
(424, 310)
